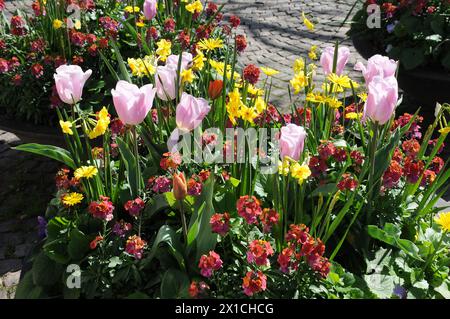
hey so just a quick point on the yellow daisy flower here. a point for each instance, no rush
(269, 71)
(71, 199)
(444, 220)
(85, 172)
(210, 44)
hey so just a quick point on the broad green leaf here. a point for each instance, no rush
(131, 166)
(167, 235)
(51, 151)
(174, 284)
(46, 272)
(381, 285)
(78, 245)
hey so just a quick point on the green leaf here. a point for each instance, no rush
(78, 245)
(26, 288)
(412, 57)
(381, 285)
(380, 234)
(202, 238)
(166, 235)
(131, 166)
(51, 151)
(174, 284)
(45, 271)
(325, 190)
(442, 289)
(384, 154)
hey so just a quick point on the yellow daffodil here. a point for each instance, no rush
(333, 102)
(210, 44)
(312, 52)
(85, 172)
(233, 105)
(252, 90)
(129, 9)
(299, 82)
(260, 104)
(71, 199)
(445, 130)
(66, 127)
(353, 115)
(269, 71)
(164, 49)
(247, 113)
(195, 7)
(307, 22)
(363, 96)
(187, 76)
(315, 97)
(102, 124)
(300, 172)
(444, 221)
(299, 65)
(284, 167)
(57, 24)
(141, 67)
(199, 61)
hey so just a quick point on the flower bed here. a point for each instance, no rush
(191, 184)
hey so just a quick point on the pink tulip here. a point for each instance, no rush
(186, 60)
(377, 65)
(132, 103)
(381, 100)
(327, 57)
(292, 140)
(191, 111)
(166, 77)
(70, 80)
(150, 9)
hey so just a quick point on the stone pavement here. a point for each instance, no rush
(276, 35)
(26, 187)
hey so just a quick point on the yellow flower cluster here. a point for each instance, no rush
(313, 52)
(140, 67)
(341, 82)
(195, 7)
(129, 9)
(164, 49)
(299, 81)
(199, 61)
(319, 98)
(71, 199)
(219, 67)
(210, 44)
(237, 109)
(296, 170)
(102, 124)
(85, 172)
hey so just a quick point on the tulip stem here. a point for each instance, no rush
(183, 220)
(136, 154)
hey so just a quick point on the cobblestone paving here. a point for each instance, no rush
(26, 185)
(276, 35)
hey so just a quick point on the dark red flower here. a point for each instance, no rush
(234, 21)
(251, 73)
(241, 43)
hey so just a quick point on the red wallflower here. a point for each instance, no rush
(428, 178)
(437, 164)
(241, 43)
(259, 252)
(17, 79)
(234, 21)
(194, 187)
(4, 66)
(413, 170)
(317, 166)
(268, 218)
(169, 25)
(254, 282)
(251, 73)
(198, 289)
(211, 9)
(340, 155)
(357, 157)
(93, 244)
(135, 246)
(392, 175)
(135, 206)
(77, 60)
(220, 223)
(170, 160)
(347, 182)
(102, 209)
(17, 26)
(184, 39)
(249, 208)
(121, 227)
(326, 150)
(38, 70)
(411, 147)
(209, 263)
(2, 5)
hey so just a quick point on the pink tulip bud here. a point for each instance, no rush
(191, 111)
(131, 102)
(381, 100)
(292, 140)
(186, 60)
(327, 57)
(150, 9)
(377, 65)
(69, 81)
(165, 79)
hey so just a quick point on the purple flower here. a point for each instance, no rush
(42, 227)
(400, 291)
(162, 184)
